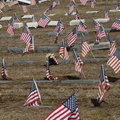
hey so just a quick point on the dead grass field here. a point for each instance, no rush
(54, 93)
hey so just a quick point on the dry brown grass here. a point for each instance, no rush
(54, 93)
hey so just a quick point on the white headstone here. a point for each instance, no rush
(18, 25)
(5, 18)
(66, 14)
(51, 14)
(32, 24)
(52, 23)
(27, 16)
(102, 20)
(114, 10)
(76, 22)
(0, 26)
(92, 12)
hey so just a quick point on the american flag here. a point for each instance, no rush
(68, 110)
(33, 2)
(83, 2)
(33, 97)
(78, 62)
(93, 3)
(85, 46)
(118, 6)
(114, 61)
(116, 24)
(55, 3)
(106, 13)
(77, 16)
(44, 20)
(49, 76)
(96, 24)
(59, 28)
(1, 5)
(50, 8)
(10, 28)
(25, 36)
(29, 45)
(12, 2)
(72, 37)
(103, 85)
(112, 46)
(82, 27)
(4, 71)
(71, 8)
(15, 18)
(54, 58)
(33, 19)
(25, 10)
(101, 32)
(63, 53)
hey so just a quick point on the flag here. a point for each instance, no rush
(49, 76)
(10, 28)
(25, 36)
(116, 24)
(25, 10)
(118, 6)
(106, 13)
(12, 2)
(33, 2)
(103, 85)
(4, 71)
(59, 28)
(72, 37)
(93, 3)
(101, 32)
(114, 61)
(83, 2)
(85, 46)
(68, 110)
(1, 5)
(81, 27)
(33, 97)
(15, 18)
(77, 16)
(71, 8)
(112, 46)
(63, 53)
(50, 8)
(29, 45)
(33, 19)
(96, 24)
(55, 3)
(77, 62)
(44, 20)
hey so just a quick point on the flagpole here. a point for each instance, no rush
(38, 91)
(92, 54)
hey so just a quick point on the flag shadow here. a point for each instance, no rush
(112, 79)
(73, 77)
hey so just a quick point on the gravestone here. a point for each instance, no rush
(6, 18)
(52, 23)
(15, 49)
(24, 62)
(102, 20)
(89, 12)
(54, 34)
(114, 10)
(32, 24)
(27, 16)
(18, 25)
(76, 22)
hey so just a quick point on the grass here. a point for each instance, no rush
(54, 93)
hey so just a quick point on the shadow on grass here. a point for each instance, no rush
(113, 79)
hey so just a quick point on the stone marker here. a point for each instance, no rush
(15, 49)
(54, 34)
(41, 106)
(0, 26)
(102, 20)
(5, 18)
(32, 24)
(18, 25)
(52, 23)
(114, 10)
(27, 16)
(5, 81)
(24, 62)
(66, 14)
(79, 81)
(47, 48)
(41, 81)
(76, 22)
(91, 12)
(51, 15)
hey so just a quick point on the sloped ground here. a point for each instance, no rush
(54, 93)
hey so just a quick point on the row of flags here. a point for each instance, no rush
(69, 108)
